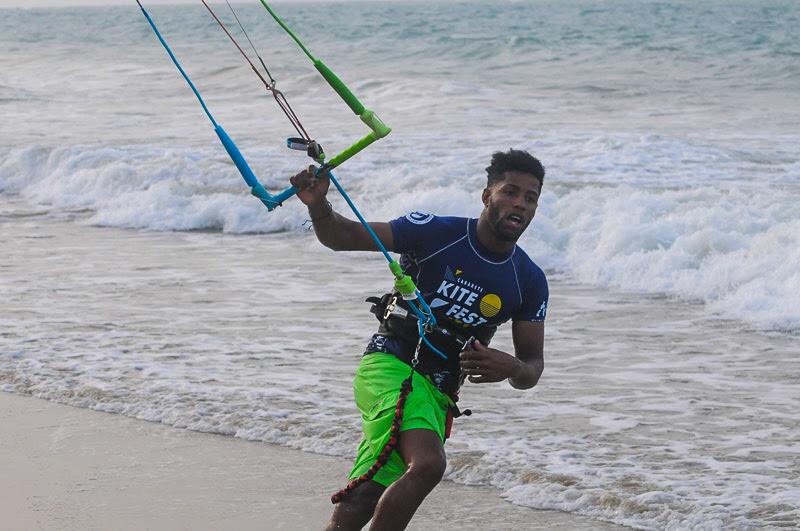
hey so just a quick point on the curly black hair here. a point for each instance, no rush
(513, 159)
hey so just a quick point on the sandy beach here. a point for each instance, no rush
(70, 468)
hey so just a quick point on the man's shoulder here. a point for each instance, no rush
(425, 233)
(535, 292)
(527, 266)
(424, 218)
(425, 221)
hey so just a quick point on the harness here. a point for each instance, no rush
(398, 335)
(398, 322)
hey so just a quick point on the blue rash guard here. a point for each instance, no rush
(470, 289)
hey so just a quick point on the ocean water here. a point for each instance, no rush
(138, 276)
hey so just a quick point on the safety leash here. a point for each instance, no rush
(391, 444)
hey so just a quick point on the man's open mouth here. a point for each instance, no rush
(515, 219)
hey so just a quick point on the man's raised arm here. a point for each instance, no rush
(332, 229)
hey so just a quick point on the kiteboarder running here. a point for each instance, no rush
(475, 278)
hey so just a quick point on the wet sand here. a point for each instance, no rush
(69, 468)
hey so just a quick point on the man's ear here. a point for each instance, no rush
(485, 196)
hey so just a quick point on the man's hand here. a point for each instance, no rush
(312, 188)
(483, 364)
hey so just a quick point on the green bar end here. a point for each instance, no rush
(373, 122)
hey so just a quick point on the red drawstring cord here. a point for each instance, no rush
(383, 458)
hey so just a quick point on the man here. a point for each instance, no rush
(474, 277)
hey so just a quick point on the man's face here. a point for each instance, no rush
(510, 204)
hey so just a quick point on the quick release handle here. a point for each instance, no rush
(402, 282)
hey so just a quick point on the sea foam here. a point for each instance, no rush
(733, 245)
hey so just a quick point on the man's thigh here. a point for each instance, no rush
(422, 448)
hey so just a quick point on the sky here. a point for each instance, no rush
(68, 3)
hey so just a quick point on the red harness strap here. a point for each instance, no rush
(448, 423)
(405, 389)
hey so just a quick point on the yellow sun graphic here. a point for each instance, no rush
(490, 305)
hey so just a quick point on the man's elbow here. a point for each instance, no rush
(333, 245)
(529, 376)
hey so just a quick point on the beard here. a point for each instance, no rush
(502, 232)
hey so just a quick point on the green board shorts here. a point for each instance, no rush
(377, 387)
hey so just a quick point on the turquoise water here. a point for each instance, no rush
(731, 64)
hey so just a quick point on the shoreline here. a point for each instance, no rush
(71, 468)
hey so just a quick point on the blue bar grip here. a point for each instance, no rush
(256, 188)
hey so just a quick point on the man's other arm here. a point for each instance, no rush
(485, 365)
(529, 349)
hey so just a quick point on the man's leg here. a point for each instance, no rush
(423, 451)
(356, 509)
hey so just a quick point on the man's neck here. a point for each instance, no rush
(487, 238)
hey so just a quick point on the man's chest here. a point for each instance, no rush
(469, 290)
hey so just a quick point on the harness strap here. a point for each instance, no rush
(391, 444)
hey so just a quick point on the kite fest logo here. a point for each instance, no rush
(468, 305)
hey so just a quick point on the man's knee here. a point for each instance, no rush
(424, 453)
(428, 468)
